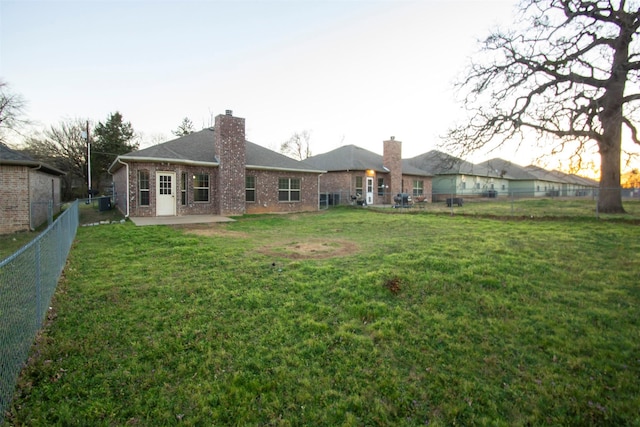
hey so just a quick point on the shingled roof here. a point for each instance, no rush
(506, 169)
(436, 162)
(354, 158)
(12, 157)
(557, 176)
(198, 149)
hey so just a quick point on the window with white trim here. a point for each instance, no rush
(143, 187)
(418, 187)
(250, 188)
(201, 187)
(289, 189)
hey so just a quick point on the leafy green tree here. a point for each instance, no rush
(185, 128)
(111, 138)
(569, 70)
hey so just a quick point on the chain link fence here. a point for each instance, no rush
(583, 202)
(28, 280)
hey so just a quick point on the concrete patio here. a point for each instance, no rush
(175, 220)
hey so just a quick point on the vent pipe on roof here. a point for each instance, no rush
(393, 138)
(228, 112)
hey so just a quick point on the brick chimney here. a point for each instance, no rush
(230, 147)
(392, 160)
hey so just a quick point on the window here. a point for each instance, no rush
(183, 188)
(464, 185)
(418, 187)
(201, 187)
(143, 188)
(289, 189)
(478, 185)
(380, 186)
(165, 185)
(250, 188)
(359, 185)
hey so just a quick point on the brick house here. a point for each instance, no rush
(213, 171)
(353, 172)
(29, 191)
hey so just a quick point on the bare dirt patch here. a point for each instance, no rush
(291, 249)
(310, 249)
(210, 230)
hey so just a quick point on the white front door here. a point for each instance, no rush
(369, 191)
(165, 193)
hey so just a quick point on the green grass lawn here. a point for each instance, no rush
(89, 213)
(558, 207)
(344, 317)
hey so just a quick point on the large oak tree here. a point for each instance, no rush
(567, 69)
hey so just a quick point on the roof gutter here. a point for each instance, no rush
(32, 164)
(161, 160)
(273, 168)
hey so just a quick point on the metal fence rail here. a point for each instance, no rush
(28, 280)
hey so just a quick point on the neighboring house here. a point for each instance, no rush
(354, 173)
(522, 183)
(213, 171)
(29, 191)
(562, 184)
(456, 177)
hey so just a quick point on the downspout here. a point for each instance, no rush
(320, 207)
(127, 192)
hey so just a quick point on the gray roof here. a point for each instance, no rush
(506, 169)
(12, 157)
(436, 162)
(198, 148)
(558, 176)
(354, 158)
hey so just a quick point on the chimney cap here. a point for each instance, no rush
(228, 112)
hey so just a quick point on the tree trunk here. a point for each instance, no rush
(610, 198)
(610, 145)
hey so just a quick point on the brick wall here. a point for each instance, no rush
(408, 181)
(392, 160)
(337, 182)
(43, 188)
(230, 148)
(267, 192)
(191, 207)
(14, 198)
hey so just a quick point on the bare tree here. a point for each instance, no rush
(185, 128)
(12, 111)
(570, 71)
(298, 146)
(65, 147)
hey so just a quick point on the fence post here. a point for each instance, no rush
(512, 201)
(38, 284)
(37, 289)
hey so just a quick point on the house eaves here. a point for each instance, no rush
(125, 158)
(275, 168)
(35, 165)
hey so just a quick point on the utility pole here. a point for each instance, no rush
(88, 163)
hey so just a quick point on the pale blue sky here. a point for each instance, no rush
(350, 72)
